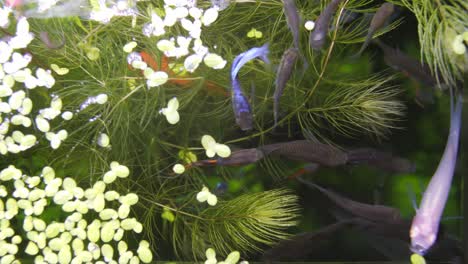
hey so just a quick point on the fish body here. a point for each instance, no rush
(64, 8)
(240, 104)
(304, 244)
(282, 76)
(426, 222)
(318, 35)
(308, 151)
(374, 213)
(382, 160)
(241, 107)
(241, 59)
(293, 20)
(378, 20)
(409, 66)
(237, 158)
(44, 36)
(241, 157)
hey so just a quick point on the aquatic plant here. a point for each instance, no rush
(441, 25)
(147, 84)
(72, 234)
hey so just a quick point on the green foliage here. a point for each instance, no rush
(334, 96)
(438, 23)
(357, 107)
(245, 222)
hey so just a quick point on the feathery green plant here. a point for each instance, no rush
(142, 139)
(439, 22)
(245, 222)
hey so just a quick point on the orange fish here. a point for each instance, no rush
(182, 82)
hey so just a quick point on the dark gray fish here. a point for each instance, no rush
(44, 36)
(237, 158)
(378, 20)
(382, 160)
(407, 65)
(308, 151)
(374, 213)
(302, 245)
(346, 18)
(322, 24)
(282, 76)
(293, 20)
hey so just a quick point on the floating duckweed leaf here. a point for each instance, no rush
(187, 156)
(168, 215)
(95, 5)
(93, 53)
(253, 33)
(210, 256)
(129, 46)
(170, 111)
(131, 84)
(191, 62)
(458, 46)
(214, 61)
(206, 196)
(165, 45)
(58, 70)
(233, 257)
(103, 140)
(155, 78)
(417, 259)
(178, 168)
(309, 25)
(178, 69)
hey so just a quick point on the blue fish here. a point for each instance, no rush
(244, 57)
(221, 188)
(240, 104)
(241, 107)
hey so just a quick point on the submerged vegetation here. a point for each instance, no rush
(145, 86)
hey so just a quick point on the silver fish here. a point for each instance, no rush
(426, 222)
(378, 20)
(293, 20)
(318, 35)
(282, 76)
(374, 213)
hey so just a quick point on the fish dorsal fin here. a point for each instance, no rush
(412, 196)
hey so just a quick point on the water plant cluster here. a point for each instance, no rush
(116, 116)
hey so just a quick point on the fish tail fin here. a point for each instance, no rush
(364, 46)
(275, 111)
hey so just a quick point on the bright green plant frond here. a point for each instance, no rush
(246, 222)
(439, 24)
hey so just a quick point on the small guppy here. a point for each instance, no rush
(240, 104)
